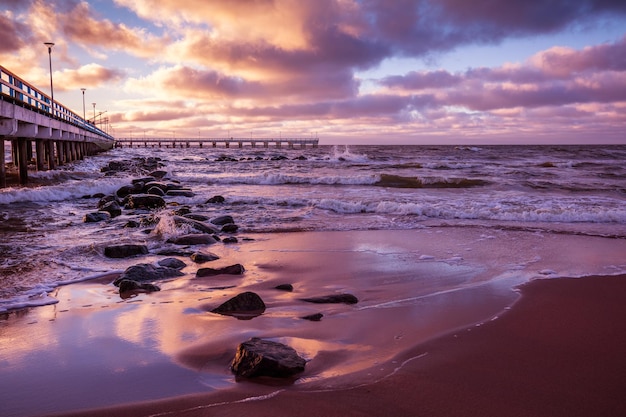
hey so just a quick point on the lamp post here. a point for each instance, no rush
(83, 90)
(94, 113)
(50, 45)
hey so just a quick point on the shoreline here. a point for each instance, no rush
(557, 352)
(94, 350)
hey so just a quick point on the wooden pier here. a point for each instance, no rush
(289, 143)
(42, 133)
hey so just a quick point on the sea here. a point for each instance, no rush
(549, 190)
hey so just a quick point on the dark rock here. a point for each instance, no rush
(143, 180)
(157, 184)
(147, 272)
(175, 252)
(222, 220)
(217, 199)
(284, 287)
(230, 239)
(112, 208)
(158, 174)
(230, 228)
(180, 193)
(127, 285)
(129, 189)
(131, 224)
(172, 263)
(106, 199)
(124, 251)
(313, 317)
(145, 201)
(198, 225)
(258, 357)
(198, 217)
(181, 211)
(193, 239)
(333, 299)
(98, 195)
(244, 305)
(96, 217)
(202, 257)
(156, 191)
(236, 269)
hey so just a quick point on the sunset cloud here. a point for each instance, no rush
(263, 64)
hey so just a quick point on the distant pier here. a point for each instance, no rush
(289, 143)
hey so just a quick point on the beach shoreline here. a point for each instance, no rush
(165, 353)
(557, 352)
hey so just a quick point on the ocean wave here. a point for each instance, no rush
(62, 192)
(397, 181)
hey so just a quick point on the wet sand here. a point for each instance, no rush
(558, 352)
(431, 335)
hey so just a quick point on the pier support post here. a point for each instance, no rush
(40, 154)
(22, 161)
(51, 161)
(62, 152)
(3, 171)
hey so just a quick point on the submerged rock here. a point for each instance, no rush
(124, 251)
(147, 272)
(236, 269)
(95, 217)
(193, 239)
(127, 285)
(313, 317)
(245, 305)
(333, 299)
(216, 199)
(258, 357)
(284, 287)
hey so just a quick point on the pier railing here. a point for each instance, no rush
(19, 92)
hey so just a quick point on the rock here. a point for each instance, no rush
(313, 317)
(158, 174)
(198, 217)
(175, 252)
(131, 224)
(124, 251)
(95, 217)
(112, 208)
(129, 189)
(258, 357)
(230, 228)
(106, 199)
(147, 272)
(202, 257)
(181, 211)
(156, 184)
(244, 305)
(145, 201)
(172, 263)
(217, 199)
(230, 239)
(284, 287)
(155, 191)
(180, 193)
(143, 180)
(333, 299)
(193, 239)
(198, 225)
(236, 269)
(127, 285)
(222, 220)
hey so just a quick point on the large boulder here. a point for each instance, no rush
(124, 251)
(145, 201)
(258, 357)
(147, 272)
(236, 269)
(333, 299)
(193, 239)
(245, 305)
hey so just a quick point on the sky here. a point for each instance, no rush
(346, 71)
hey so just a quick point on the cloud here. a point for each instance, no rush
(91, 75)
(13, 34)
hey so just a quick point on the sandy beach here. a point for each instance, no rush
(432, 334)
